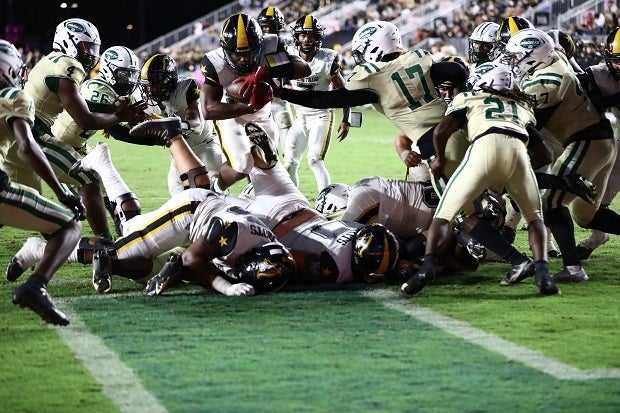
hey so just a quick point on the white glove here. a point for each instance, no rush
(241, 289)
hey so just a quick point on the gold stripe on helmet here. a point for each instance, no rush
(270, 11)
(308, 22)
(512, 26)
(242, 35)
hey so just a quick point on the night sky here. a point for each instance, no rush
(151, 18)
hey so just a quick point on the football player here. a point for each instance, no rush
(602, 84)
(54, 83)
(482, 42)
(114, 83)
(247, 56)
(509, 167)
(507, 28)
(161, 87)
(587, 138)
(21, 207)
(271, 21)
(311, 131)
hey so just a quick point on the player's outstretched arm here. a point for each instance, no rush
(326, 99)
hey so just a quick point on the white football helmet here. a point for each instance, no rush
(494, 74)
(78, 38)
(120, 68)
(482, 42)
(12, 68)
(528, 50)
(332, 199)
(374, 40)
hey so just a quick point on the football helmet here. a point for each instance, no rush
(267, 268)
(494, 74)
(242, 42)
(612, 52)
(332, 199)
(158, 78)
(308, 24)
(482, 42)
(492, 208)
(271, 20)
(376, 251)
(528, 50)
(79, 39)
(12, 67)
(374, 40)
(563, 40)
(507, 28)
(446, 89)
(120, 68)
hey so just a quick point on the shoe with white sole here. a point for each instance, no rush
(574, 274)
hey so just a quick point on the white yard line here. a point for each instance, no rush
(491, 342)
(119, 382)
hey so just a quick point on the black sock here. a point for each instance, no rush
(541, 267)
(488, 236)
(606, 220)
(561, 224)
(36, 278)
(430, 260)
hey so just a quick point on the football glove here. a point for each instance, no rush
(261, 95)
(261, 74)
(581, 187)
(75, 205)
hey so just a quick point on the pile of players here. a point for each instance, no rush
(468, 135)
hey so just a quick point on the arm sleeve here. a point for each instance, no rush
(326, 99)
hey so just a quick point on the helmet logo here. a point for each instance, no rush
(242, 35)
(75, 27)
(530, 43)
(4, 48)
(368, 32)
(111, 55)
(483, 69)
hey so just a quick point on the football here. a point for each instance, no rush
(233, 91)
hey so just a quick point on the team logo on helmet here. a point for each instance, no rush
(530, 43)
(5, 48)
(366, 33)
(75, 27)
(111, 55)
(482, 69)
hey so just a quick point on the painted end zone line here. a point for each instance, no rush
(465, 331)
(119, 382)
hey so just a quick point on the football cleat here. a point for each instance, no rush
(260, 140)
(169, 275)
(545, 284)
(28, 255)
(566, 275)
(33, 294)
(161, 131)
(583, 252)
(418, 281)
(519, 272)
(102, 280)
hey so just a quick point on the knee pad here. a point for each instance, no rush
(118, 214)
(197, 178)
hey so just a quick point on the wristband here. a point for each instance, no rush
(346, 116)
(404, 154)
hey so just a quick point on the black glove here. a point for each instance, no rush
(581, 187)
(75, 204)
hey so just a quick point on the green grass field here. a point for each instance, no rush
(464, 344)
